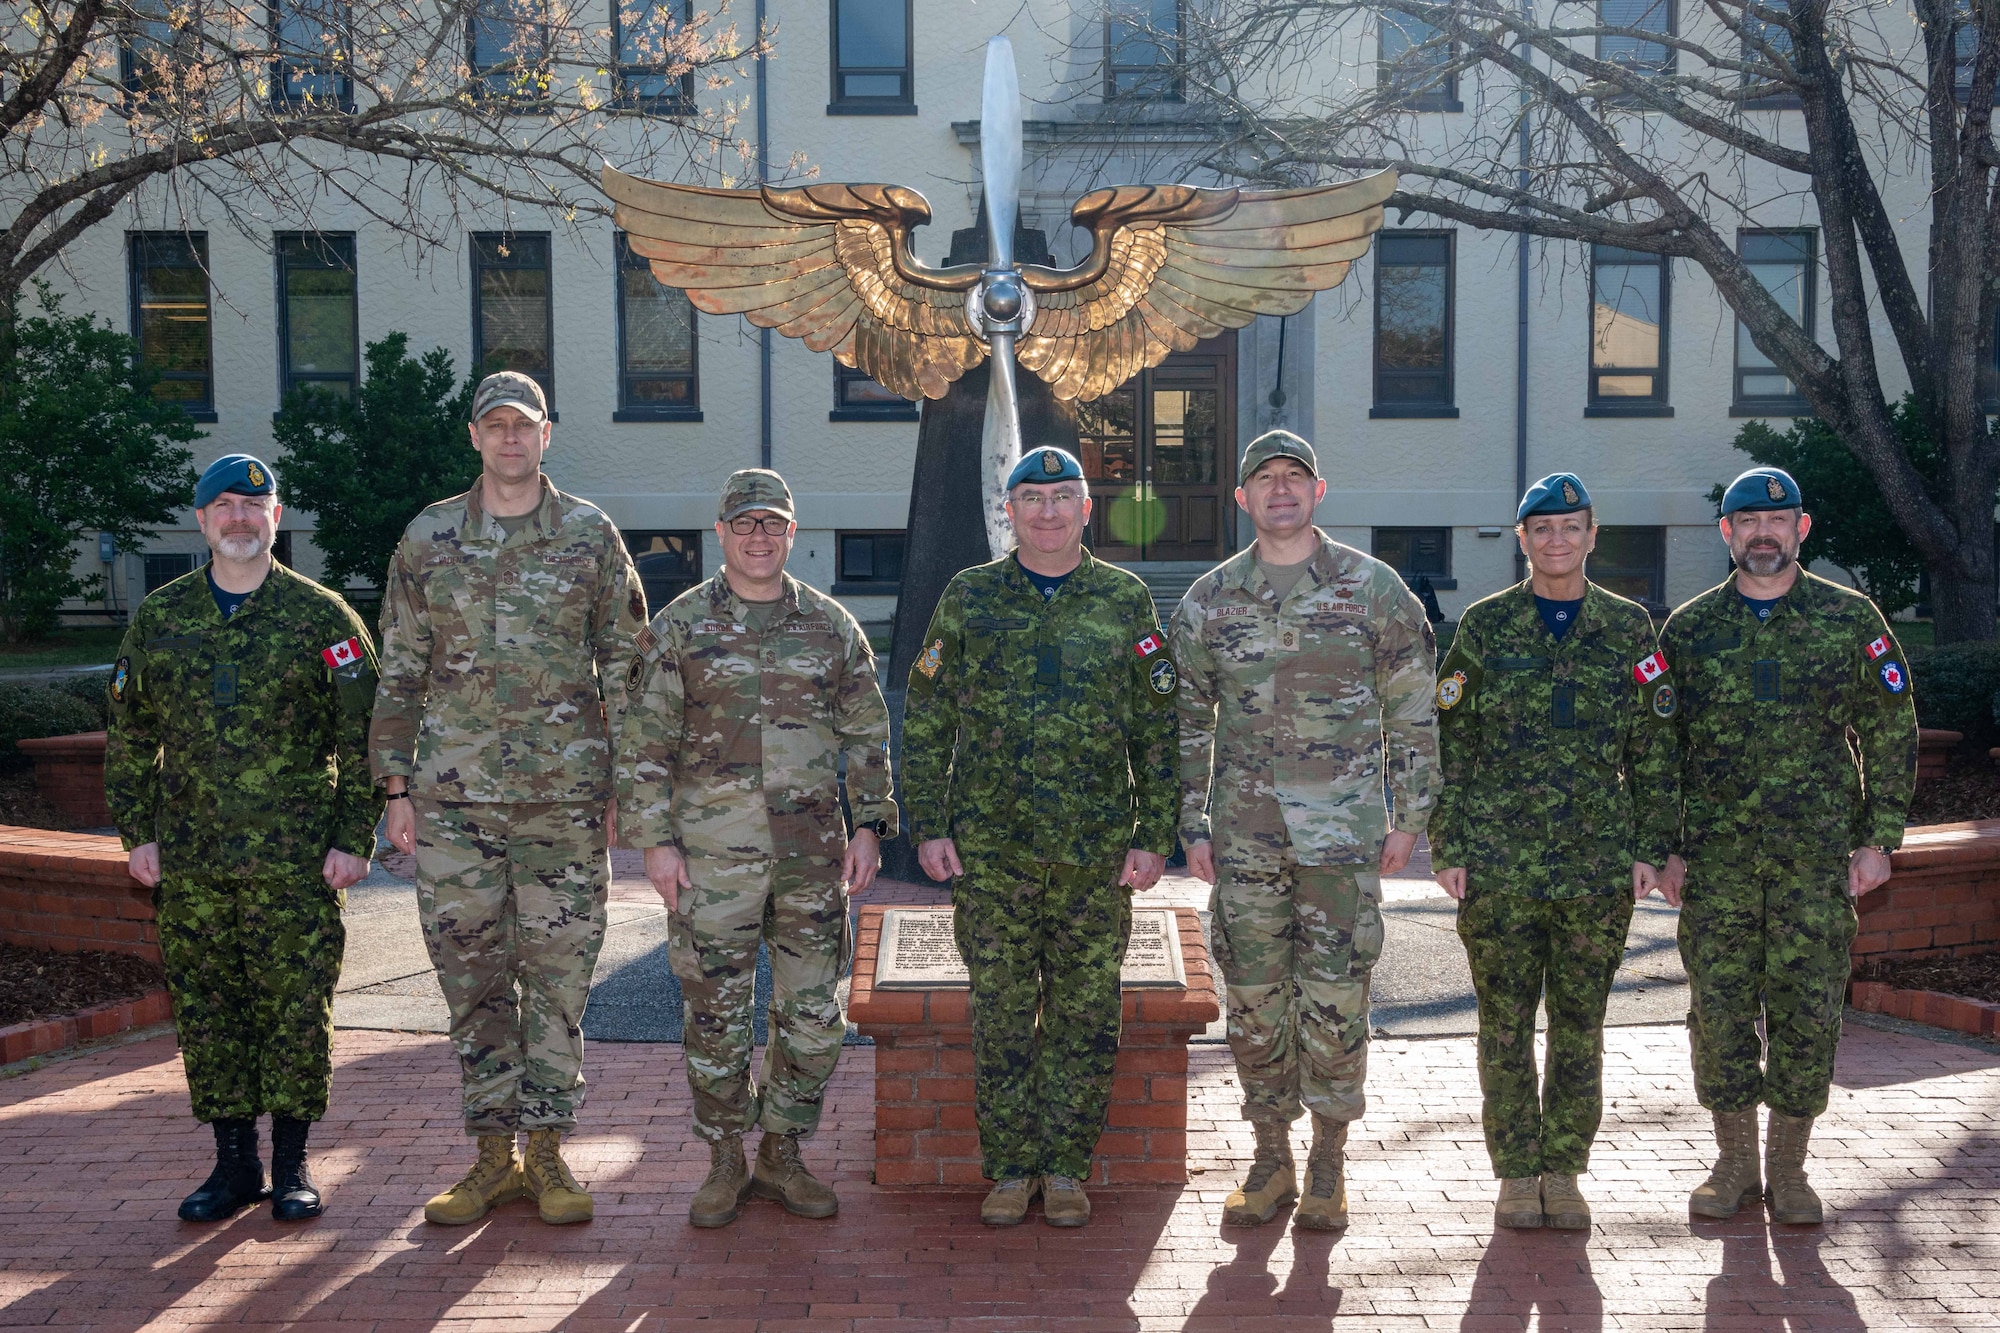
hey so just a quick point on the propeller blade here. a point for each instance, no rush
(1000, 150)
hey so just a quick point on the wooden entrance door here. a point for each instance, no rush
(1160, 453)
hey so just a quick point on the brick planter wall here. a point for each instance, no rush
(1955, 1012)
(925, 1133)
(1942, 899)
(71, 891)
(1934, 747)
(69, 771)
(47, 1035)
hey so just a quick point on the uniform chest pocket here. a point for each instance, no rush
(992, 642)
(456, 592)
(565, 590)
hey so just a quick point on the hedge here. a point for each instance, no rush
(1957, 688)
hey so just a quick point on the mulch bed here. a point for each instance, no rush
(1973, 978)
(1970, 789)
(37, 983)
(22, 803)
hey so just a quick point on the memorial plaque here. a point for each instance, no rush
(918, 951)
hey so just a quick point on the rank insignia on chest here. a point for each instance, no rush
(1649, 669)
(1878, 648)
(1147, 646)
(930, 659)
(1665, 701)
(1288, 639)
(1893, 678)
(225, 685)
(1163, 677)
(1450, 690)
(121, 676)
(345, 653)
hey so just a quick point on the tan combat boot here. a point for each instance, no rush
(562, 1200)
(1563, 1204)
(1792, 1199)
(1735, 1177)
(726, 1187)
(494, 1179)
(781, 1174)
(1064, 1204)
(1271, 1184)
(1323, 1207)
(1007, 1202)
(1520, 1204)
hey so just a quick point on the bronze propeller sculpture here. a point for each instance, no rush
(832, 265)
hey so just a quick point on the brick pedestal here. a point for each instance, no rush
(925, 1133)
(69, 772)
(1942, 898)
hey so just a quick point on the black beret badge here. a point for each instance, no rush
(1774, 488)
(1051, 462)
(1570, 496)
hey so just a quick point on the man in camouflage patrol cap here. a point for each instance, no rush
(1786, 823)
(745, 694)
(1306, 680)
(507, 631)
(235, 768)
(1561, 765)
(1038, 768)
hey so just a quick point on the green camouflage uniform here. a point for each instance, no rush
(1293, 713)
(1774, 799)
(240, 747)
(1039, 736)
(1560, 770)
(500, 655)
(730, 748)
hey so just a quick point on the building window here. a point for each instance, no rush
(1628, 332)
(161, 44)
(1144, 50)
(642, 32)
(868, 562)
(163, 568)
(319, 335)
(513, 319)
(1413, 318)
(1416, 67)
(857, 397)
(507, 43)
(1965, 51)
(669, 563)
(1632, 562)
(1633, 52)
(170, 317)
(1783, 262)
(308, 37)
(656, 345)
(872, 69)
(1417, 553)
(1762, 40)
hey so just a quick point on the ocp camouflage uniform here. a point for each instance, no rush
(500, 655)
(1039, 736)
(1775, 797)
(239, 747)
(1560, 770)
(1293, 713)
(730, 748)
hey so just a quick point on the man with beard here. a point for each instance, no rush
(236, 769)
(1786, 821)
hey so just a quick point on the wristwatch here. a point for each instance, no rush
(878, 827)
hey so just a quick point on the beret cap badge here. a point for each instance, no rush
(1051, 463)
(1774, 488)
(1569, 493)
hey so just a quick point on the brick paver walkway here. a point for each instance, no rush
(99, 1149)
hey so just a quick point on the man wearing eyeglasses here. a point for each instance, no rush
(745, 695)
(1038, 768)
(507, 624)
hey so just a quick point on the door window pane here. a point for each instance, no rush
(1142, 49)
(1632, 562)
(1627, 325)
(1783, 263)
(1637, 52)
(1185, 436)
(668, 563)
(1108, 436)
(656, 340)
(1413, 318)
(871, 51)
(170, 314)
(512, 311)
(318, 342)
(163, 568)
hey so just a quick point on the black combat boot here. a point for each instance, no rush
(294, 1196)
(238, 1178)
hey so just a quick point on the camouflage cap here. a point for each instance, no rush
(510, 388)
(1276, 444)
(755, 488)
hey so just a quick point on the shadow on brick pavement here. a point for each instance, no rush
(100, 1150)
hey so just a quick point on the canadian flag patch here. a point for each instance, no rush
(345, 653)
(1147, 646)
(1650, 669)
(1877, 648)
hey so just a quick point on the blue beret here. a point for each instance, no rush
(1762, 488)
(1557, 493)
(1044, 465)
(234, 474)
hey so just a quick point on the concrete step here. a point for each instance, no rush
(1167, 580)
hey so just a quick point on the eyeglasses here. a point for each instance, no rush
(1035, 501)
(774, 526)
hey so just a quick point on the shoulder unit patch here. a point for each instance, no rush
(1893, 678)
(1451, 690)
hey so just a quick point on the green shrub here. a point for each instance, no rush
(1957, 688)
(28, 712)
(87, 688)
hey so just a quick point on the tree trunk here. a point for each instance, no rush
(1962, 605)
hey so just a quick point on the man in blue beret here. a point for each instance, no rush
(1039, 769)
(1559, 808)
(1786, 821)
(236, 769)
